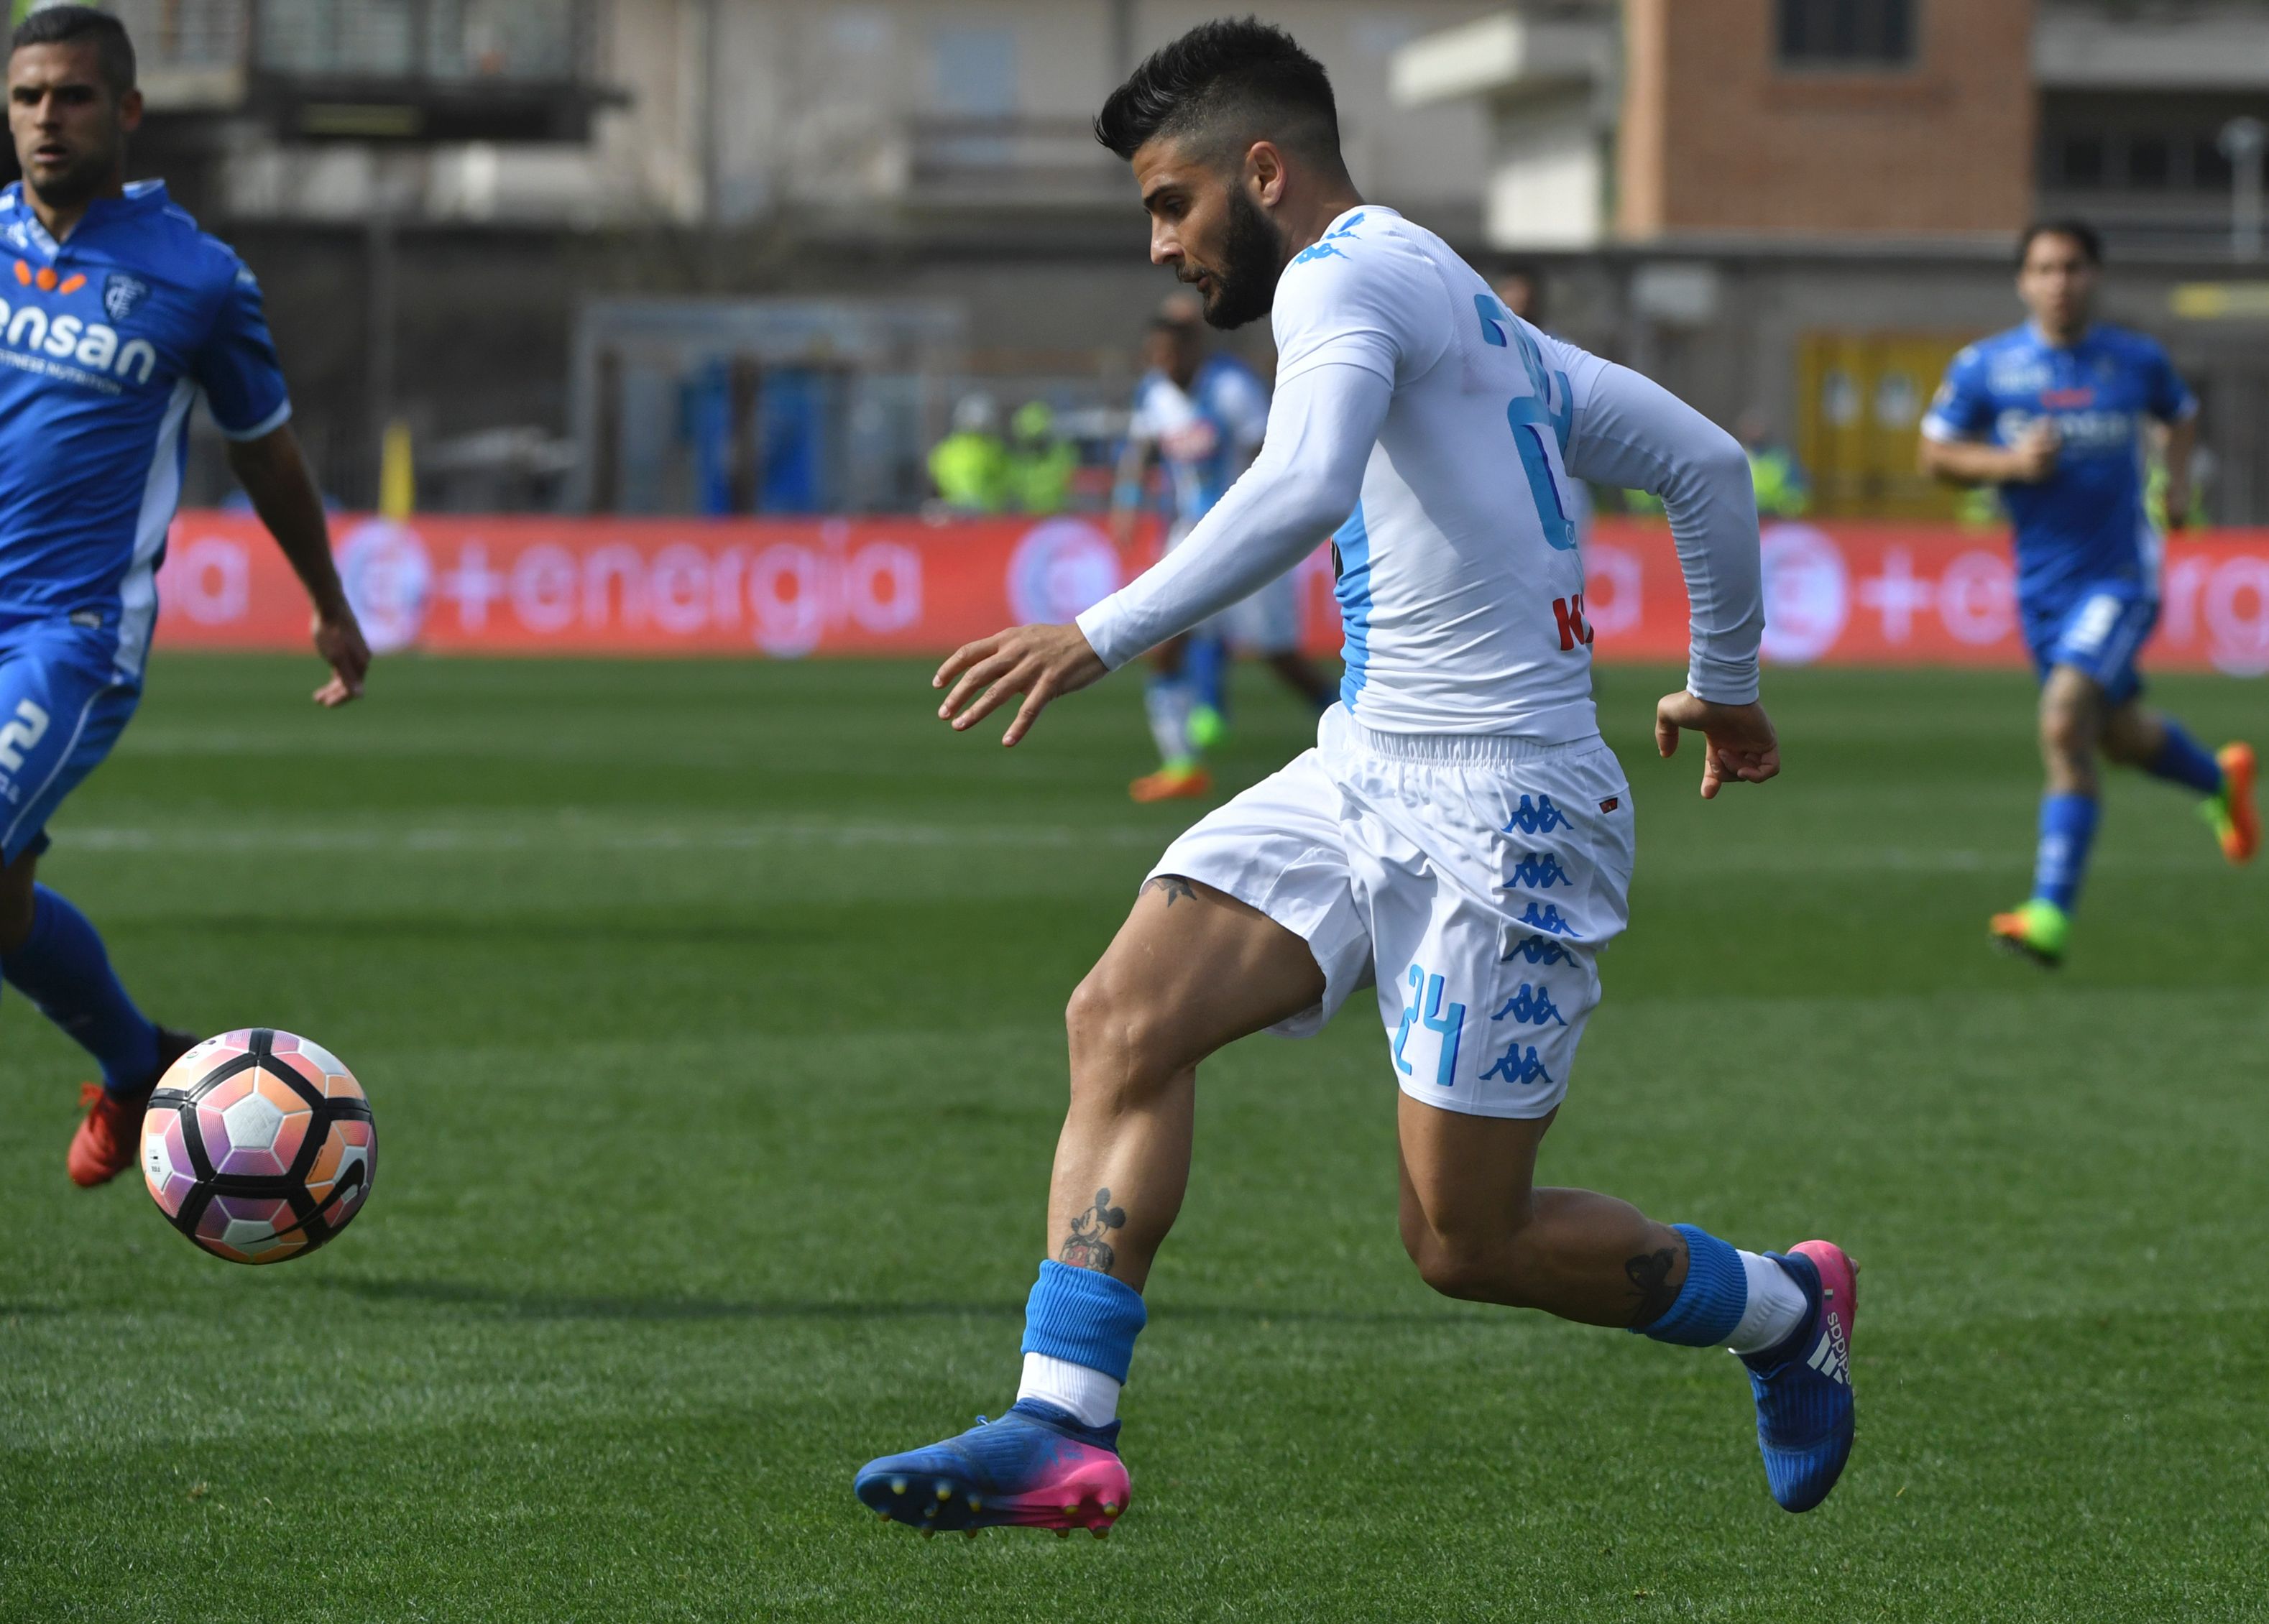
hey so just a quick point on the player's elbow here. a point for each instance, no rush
(1710, 467)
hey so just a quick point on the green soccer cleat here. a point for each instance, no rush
(1208, 728)
(2035, 929)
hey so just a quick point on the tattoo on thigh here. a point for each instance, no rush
(1175, 887)
(1650, 1277)
(1085, 1247)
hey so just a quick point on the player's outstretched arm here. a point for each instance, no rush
(1303, 485)
(275, 475)
(1039, 663)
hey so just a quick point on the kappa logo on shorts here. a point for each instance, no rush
(1531, 1005)
(1515, 1066)
(1537, 817)
(1537, 871)
(1546, 916)
(1540, 950)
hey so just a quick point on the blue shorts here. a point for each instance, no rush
(2098, 632)
(63, 706)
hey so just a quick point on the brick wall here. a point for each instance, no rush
(1718, 136)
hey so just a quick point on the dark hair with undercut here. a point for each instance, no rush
(72, 24)
(1236, 79)
(2091, 246)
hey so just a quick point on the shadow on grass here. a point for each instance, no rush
(546, 1305)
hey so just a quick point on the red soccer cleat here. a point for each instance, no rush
(1172, 783)
(109, 1138)
(2237, 823)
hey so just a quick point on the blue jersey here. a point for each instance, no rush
(2085, 523)
(107, 340)
(1205, 434)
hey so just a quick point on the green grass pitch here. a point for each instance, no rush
(712, 1016)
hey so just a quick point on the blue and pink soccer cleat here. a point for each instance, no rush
(1036, 1467)
(1803, 1386)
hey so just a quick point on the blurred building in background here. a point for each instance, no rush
(744, 255)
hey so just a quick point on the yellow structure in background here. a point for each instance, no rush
(397, 473)
(1860, 398)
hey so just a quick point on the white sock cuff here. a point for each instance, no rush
(1775, 1306)
(1088, 1394)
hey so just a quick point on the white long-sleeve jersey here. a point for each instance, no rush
(1433, 435)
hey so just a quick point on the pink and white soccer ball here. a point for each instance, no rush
(259, 1146)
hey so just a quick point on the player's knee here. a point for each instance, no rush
(1470, 1267)
(2065, 733)
(16, 907)
(1118, 1034)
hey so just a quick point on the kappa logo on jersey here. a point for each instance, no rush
(1537, 817)
(1324, 250)
(1538, 950)
(1548, 918)
(1537, 871)
(1518, 1066)
(122, 295)
(1575, 630)
(1531, 1005)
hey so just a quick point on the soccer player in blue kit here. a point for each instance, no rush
(2055, 413)
(1457, 848)
(117, 315)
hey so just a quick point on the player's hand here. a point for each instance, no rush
(339, 640)
(1742, 744)
(2034, 457)
(1039, 663)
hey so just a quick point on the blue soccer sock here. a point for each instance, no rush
(1732, 1298)
(62, 968)
(2184, 760)
(2068, 830)
(1080, 1327)
(1206, 661)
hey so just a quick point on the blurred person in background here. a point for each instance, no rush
(970, 466)
(2058, 414)
(1202, 418)
(126, 317)
(1040, 462)
(1782, 490)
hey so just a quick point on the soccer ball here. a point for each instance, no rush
(259, 1146)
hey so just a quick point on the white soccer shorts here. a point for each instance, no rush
(1473, 880)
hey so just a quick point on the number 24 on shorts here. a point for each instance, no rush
(1450, 1022)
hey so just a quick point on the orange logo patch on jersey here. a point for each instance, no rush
(46, 280)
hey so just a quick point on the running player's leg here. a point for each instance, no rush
(2087, 657)
(1191, 971)
(61, 709)
(1171, 700)
(2136, 735)
(1478, 1227)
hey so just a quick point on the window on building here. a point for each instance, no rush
(2080, 162)
(1847, 33)
(974, 72)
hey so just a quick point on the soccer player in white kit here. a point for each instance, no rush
(1459, 838)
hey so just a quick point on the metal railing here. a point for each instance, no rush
(1011, 159)
(446, 41)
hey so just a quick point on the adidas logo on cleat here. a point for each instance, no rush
(1831, 1358)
